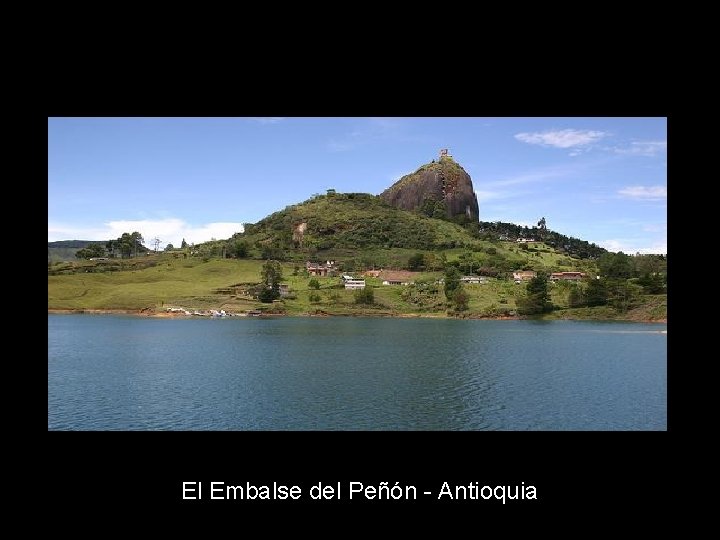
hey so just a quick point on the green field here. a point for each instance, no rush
(161, 281)
(187, 282)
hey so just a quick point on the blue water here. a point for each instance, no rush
(129, 373)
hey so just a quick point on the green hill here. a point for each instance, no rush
(353, 221)
(365, 231)
(360, 232)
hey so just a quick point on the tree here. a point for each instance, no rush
(129, 244)
(91, 251)
(576, 298)
(431, 262)
(156, 242)
(169, 247)
(652, 283)
(267, 295)
(270, 276)
(452, 281)
(184, 244)
(538, 286)
(467, 262)
(314, 284)
(125, 244)
(110, 246)
(364, 296)
(271, 273)
(269, 252)
(623, 294)
(649, 264)
(137, 241)
(616, 265)
(239, 250)
(460, 299)
(537, 299)
(596, 293)
(542, 227)
(415, 262)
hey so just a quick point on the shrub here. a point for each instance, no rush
(364, 296)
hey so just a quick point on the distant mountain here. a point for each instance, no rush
(78, 244)
(64, 250)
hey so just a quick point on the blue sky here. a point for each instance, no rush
(600, 179)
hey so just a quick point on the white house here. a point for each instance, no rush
(354, 283)
(473, 280)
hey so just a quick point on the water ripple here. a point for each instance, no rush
(110, 373)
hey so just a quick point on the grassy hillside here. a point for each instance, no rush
(359, 232)
(353, 221)
(160, 281)
(364, 232)
(190, 282)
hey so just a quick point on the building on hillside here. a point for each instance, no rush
(354, 283)
(524, 275)
(321, 270)
(398, 277)
(567, 276)
(525, 240)
(473, 280)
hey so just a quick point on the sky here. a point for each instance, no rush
(600, 179)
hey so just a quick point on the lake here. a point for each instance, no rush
(108, 372)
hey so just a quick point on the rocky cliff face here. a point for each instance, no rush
(441, 189)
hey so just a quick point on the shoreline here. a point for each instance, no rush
(150, 312)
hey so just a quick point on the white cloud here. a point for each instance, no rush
(169, 231)
(644, 193)
(634, 246)
(644, 148)
(564, 138)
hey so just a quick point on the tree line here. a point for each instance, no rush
(127, 245)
